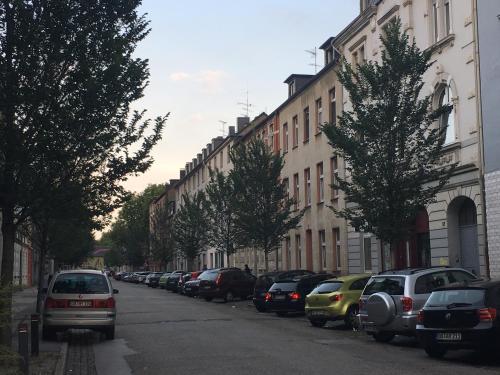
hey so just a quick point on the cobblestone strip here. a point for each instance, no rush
(80, 360)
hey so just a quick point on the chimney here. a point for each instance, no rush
(209, 148)
(195, 162)
(205, 153)
(187, 168)
(191, 166)
(200, 158)
(214, 145)
(241, 122)
(182, 174)
(172, 182)
(231, 130)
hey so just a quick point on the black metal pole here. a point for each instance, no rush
(35, 321)
(23, 348)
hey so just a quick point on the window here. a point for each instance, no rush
(221, 159)
(288, 252)
(285, 138)
(336, 247)
(80, 283)
(359, 284)
(334, 167)
(203, 174)
(307, 186)
(367, 253)
(333, 107)
(447, 18)
(306, 125)
(215, 162)
(291, 88)
(296, 190)
(298, 251)
(271, 136)
(322, 249)
(286, 184)
(295, 122)
(447, 119)
(320, 183)
(319, 115)
(228, 159)
(435, 20)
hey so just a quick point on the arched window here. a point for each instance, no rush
(447, 120)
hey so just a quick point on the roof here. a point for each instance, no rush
(291, 77)
(349, 278)
(327, 43)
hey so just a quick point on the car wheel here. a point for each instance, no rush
(383, 336)
(208, 299)
(110, 333)
(318, 323)
(48, 334)
(351, 319)
(229, 297)
(260, 308)
(281, 313)
(434, 351)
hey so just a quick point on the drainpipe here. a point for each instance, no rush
(479, 112)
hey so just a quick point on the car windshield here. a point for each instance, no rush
(80, 283)
(392, 285)
(208, 275)
(468, 297)
(327, 287)
(285, 286)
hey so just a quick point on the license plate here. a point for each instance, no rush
(207, 287)
(187, 288)
(317, 313)
(449, 336)
(80, 303)
(279, 297)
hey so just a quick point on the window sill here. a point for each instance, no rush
(320, 203)
(451, 146)
(306, 141)
(294, 147)
(318, 133)
(442, 43)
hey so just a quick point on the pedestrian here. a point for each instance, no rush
(247, 269)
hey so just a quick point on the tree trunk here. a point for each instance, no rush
(9, 236)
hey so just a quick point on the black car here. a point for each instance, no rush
(154, 279)
(173, 280)
(266, 280)
(225, 283)
(289, 295)
(461, 317)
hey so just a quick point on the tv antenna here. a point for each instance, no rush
(223, 127)
(245, 106)
(313, 53)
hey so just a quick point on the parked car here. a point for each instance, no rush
(154, 279)
(141, 276)
(173, 279)
(192, 287)
(225, 283)
(162, 282)
(118, 275)
(461, 316)
(336, 299)
(391, 300)
(185, 278)
(286, 296)
(266, 280)
(79, 299)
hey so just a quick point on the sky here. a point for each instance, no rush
(204, 56)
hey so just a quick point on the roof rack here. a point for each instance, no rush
(409, 270)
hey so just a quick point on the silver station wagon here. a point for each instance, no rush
(79, 299)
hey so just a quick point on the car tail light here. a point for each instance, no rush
(420, 317)
(51, 303)
(336, 297)
(267, 297)
(294, 296)
(407, 304)
(218, 280)
(104, 303)
(487, 315)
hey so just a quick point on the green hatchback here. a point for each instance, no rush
(163, 280)
(336, 299)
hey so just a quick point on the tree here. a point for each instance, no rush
(262, 207)
(389, 140)
(67, 79)
(223, 234)
(190, 227)
(162, 244)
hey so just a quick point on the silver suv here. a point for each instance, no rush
(79, 299)
(391, 300)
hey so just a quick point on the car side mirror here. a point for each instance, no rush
(116, 291)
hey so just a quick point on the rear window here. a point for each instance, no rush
(208, 275)
(327, 287)
(80, 283)
(284, 286)
(468, 297)
(392, 285)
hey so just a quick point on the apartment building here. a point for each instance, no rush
(450, 231)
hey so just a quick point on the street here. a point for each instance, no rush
(160, 332)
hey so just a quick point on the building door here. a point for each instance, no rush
(467, 228)
(309, 255)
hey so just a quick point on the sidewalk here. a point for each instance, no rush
(52, 353)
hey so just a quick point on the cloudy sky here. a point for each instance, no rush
(205, 55)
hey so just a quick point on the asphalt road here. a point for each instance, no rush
(159, 332)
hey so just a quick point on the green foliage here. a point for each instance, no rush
(389, 140)
(262, 208)
(190, 226)
(162, 243)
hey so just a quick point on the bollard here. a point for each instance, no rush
(22, 331)
(35, 321)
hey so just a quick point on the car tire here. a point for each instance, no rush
(208, 299)
(435, 351)
(383, 336)
(229, 296)
(281, 313)
(260, 308)
(110, 333)
(48, 334)
(318, 323)
(351, 319)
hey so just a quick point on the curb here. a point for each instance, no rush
(61, 363)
